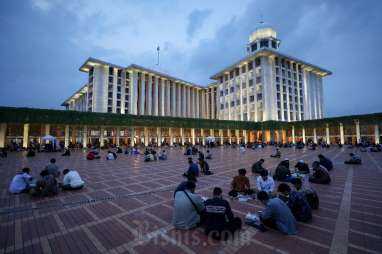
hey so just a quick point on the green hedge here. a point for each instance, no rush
(42, 116)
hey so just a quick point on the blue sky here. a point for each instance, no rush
(44, 42)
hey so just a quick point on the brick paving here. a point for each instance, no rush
(126, 207)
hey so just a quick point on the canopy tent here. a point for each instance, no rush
(210, 139)
(49, 138)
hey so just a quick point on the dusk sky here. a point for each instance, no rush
(44, 42)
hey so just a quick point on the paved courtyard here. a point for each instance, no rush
(126, 207)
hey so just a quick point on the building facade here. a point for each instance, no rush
(264, 85)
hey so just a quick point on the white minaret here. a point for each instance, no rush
(263, 37)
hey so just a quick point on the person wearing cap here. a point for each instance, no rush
(220, 221)
(302, 167)
(354, 159)
(265, 182)
(320, 175)
(325, 162)
(187, 208)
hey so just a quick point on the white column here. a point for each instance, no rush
(26, 135)
(221, 136)
(237, 135)
(358, 132)
(193, 136)
(202, 135)
(142, 95)
(132, 137)
(173, 105)
(327, 134)
(182, 136)
(342, 137)
(229, 136)
(293, 136)
(159, 136)
(179, 99)
(117, 135)
(171, 137)
(85, 137)
(197, 104)
(133, 92)
(156, 106)
(149, 96)
(168, 98)
(102, 137)
(47, 129)
(315, 135)
(3, 130)
(376, 133)
(184, 100)
(163, 97)
(303, 135)
(66, 136)
(245, 136)
(146, 133)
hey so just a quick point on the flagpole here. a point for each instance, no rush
(158, 55)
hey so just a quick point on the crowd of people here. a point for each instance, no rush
(47, 183)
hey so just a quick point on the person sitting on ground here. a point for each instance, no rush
(187, 208)
(310, 194)
(375, 149)
(242, 149)
(302, 167)
(72, 180)
(282, 172)
(3, 153)
(354, 159)
(296, 201)
(320, 174)
(47, 184)
(264, 182)
(201, 156)
(66, 153)
(31, 153)
(326, 162)
(204, 167)
(277, 214)
(111, 155)
(148, 156)
(188, 151)
(209, 155)
(220, 221)
(52, 168)
(20, 182)
(257, 167)
(277, 154)
(182, 186)
(240, 184)
(193, 169)
(163, 155)
(92, 155)
(119, 150)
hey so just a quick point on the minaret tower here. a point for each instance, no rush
(263, 37)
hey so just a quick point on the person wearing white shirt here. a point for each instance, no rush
(265, 182)
(72, 180)
(20, 182)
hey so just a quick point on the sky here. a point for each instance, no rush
(44, 42)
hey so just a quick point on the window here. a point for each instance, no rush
(119, 81)
(285, 105)
(302, 116)
(250, 66)
(243, 85)
(278, 104)
(226, 91)
(243, 69)
(109, 102)
(257, 62)
(119, 89)
(288, 65)
(232, 89)
(284, 81)
(278, 88)
(279, 115)
(277, 61)
(294, 66)
(277, 79)
(289, 74)
(110, 95)
(110, 79)
(283, 62)
(237, 71)
(237, 102)
(283, 73)
(127, 75)
(126, 104)
(258, 80)
(91, 71)
(109, 109)
(254, 47)
(226, 104)
(278, 96)
(244, 100)
(290, 90)
(231, 75)
(221, 106)
(301, 100)
(118, 110)
(232, 103)
(259, 96)
(111, 71)
(274, 44)
(277, 71)
(285, 115)
(221, 93)
(126, 90)
(302, 108)
(118, 96)
(119, 73)
(250, 82)
(284, 97)
(126, 97)
(221, 79)
(264, 43)
(90, 79)
(118, 103)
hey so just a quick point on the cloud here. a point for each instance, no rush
(196, 20)
(43, 5)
